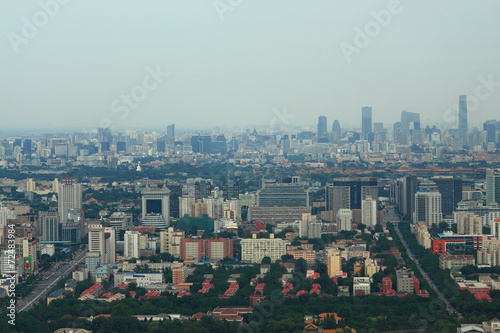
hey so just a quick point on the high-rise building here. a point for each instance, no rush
(121, 221)
(92, 261)
(334, 262)
(202, 189)
(366, 120)
(254, 250)
(170, 241)
(121, 146)
(336, 131)
(282, 195)
(96, 239)
(369, 211)
(214, 249)
(492, 186)
(468, 223)
(48, 226)
(428, 204)
(451, 192)
(344, 220)
(405, 281)
(230, 190)
(102, 240)
(27, 147)
(179, 273)
(490, 126)
(462, 118)
(134, 241)
(156, 207)
(349, 192)
(409, 125)
(201, 144)
(495, 228)
(175, 194)
(171, 131)
(70, 197)
(403, 192)
(322, 132)
(30, 185)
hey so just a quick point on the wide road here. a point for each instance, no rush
(50, 278)
(449, 307)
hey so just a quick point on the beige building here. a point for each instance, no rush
(468, 223)
(422, 235)
(334, 262)
(170, 241)
(371, 267)
(253, 249)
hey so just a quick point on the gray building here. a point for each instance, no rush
(404, 281)
(290, 195)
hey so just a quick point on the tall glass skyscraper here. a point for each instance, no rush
(366, 119)
(462, 117)
(322, 133)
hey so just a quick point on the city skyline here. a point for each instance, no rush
(219, 68)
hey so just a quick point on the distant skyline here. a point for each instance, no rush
(78, 65)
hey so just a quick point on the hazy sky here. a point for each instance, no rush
(232, 62)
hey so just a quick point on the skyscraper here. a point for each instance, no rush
(451, 192)
(202, 189)
(349, 192)
(369, 211)
(334, 262)
(492, 186)
(366, 120)
(175, 194)
(322, 133)
(27, 147)
(344, 220)
(171, 131)
(156, 207)
(230, 190)
(428, 204)
(490, 126)
(70, 197)
(462, 117)
(336, 131)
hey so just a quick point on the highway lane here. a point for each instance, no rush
(50, 278)
(449, 307)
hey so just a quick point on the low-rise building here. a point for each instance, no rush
(455, 262)
(141, 279)
(361, 286)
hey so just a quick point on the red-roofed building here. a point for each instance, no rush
(95, 290)
(482, 296)
(206, 286)
(301, 292)
(315, 288)
(233, 288)
(123, 286)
